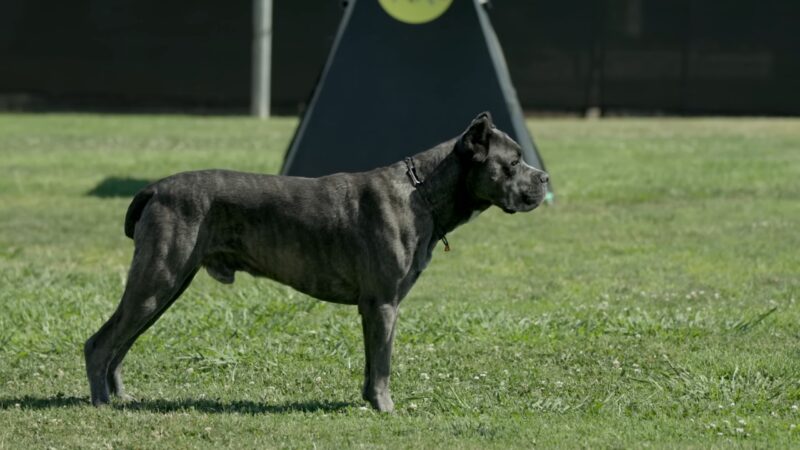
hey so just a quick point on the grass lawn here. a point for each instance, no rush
(655, 305)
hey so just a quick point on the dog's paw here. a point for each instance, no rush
(100, 402)
(126, 398)
(382, 403)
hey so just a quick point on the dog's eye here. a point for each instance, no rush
(514, 163)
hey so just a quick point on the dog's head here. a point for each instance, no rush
(496, 172)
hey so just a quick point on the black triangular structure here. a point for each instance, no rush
(390, 89)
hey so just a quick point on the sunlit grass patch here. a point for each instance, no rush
(654, 305)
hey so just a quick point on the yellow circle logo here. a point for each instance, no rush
(415, 11)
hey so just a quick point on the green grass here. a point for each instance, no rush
(656, 305)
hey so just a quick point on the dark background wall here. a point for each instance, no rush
(673, 56)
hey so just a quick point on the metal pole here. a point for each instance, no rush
(262, 57)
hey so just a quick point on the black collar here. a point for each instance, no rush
(411, 171)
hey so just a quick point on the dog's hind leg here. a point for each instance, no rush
(163, 264)
(115, 384)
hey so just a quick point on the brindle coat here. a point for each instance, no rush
(354, 238)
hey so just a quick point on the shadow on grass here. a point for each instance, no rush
(118, 187)
(238, 407)
(28, 402)
(166, 406)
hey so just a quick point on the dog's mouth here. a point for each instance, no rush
(525, 207)
(524, 202)
(532, 200)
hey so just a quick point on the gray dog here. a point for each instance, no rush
(352, 238)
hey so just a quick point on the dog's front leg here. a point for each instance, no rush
(378, 320)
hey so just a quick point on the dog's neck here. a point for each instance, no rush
(444, 190)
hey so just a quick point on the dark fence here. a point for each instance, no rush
(673, 56)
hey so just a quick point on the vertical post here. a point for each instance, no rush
(262, 57)
(596, 70)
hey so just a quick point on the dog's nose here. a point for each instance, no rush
(543, 177)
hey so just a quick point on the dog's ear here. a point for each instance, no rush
(475, 141)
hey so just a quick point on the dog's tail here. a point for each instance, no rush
(135, 209)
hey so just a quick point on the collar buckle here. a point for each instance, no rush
(412, 172)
